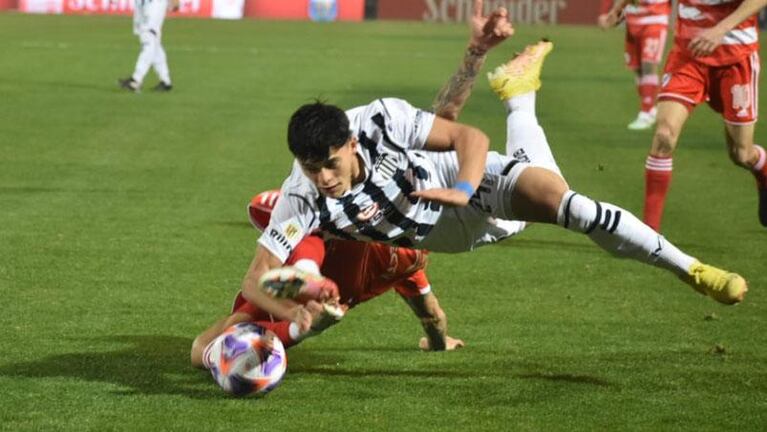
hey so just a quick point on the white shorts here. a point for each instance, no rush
(148, 16)
(461, 229)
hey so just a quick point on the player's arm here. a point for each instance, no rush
(708, 40)
(204, 338)
(471, 146)
(486, 33)
(434, 322)
(612, 15)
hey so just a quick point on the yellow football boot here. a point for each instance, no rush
(722, 286)
(521, 74)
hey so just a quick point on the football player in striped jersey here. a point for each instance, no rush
(366, 270)
(391, 173)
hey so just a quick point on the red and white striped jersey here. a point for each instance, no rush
(697, 15)
(644, 12)
(647, 12)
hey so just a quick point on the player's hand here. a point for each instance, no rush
(610, 19)
(451, 344)
(448, 197)
(268, 339)
(488, 31)
(302, 317)
(706, 42)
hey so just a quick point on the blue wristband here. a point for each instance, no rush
(464, 187)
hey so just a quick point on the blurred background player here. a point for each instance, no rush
(362, 271)
(148, 18)
(714, 59)
(646, 29)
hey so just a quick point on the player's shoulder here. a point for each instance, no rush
(298, 187)
(383, 108)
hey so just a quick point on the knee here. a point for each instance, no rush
(664, 140)
(552, 196)
(147, 37)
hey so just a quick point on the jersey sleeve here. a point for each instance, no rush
(293, 218)
(309, 254)
(406, 124)
(415, 285)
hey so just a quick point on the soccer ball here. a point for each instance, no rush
(246, 359)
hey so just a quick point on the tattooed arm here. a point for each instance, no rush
(486, 33)
(451, 98)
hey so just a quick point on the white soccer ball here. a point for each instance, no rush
(244, 359)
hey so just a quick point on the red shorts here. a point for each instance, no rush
(366, 270)
(361, 270)
(644, 44)
(731, 90)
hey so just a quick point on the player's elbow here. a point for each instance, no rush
(472, 141)
(479, 140)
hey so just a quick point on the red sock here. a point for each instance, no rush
(657, 181)
(648, 90)
(281, 329)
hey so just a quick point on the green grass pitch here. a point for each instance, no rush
(123, 233)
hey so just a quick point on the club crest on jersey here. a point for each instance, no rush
(371, 213)
(385, 166)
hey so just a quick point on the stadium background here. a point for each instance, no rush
(522, 11)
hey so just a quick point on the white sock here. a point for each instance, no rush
(294, 331)
(160, 64)
(525, 138)
(524, 102)
(149, 45)
(620, 233)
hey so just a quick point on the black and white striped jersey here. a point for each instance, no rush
(391, 135)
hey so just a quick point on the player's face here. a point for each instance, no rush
(335, 175)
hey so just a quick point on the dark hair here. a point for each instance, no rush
(314, 129)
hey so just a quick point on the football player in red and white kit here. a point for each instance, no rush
(646, 29)
(362, 271)
(714, 59)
